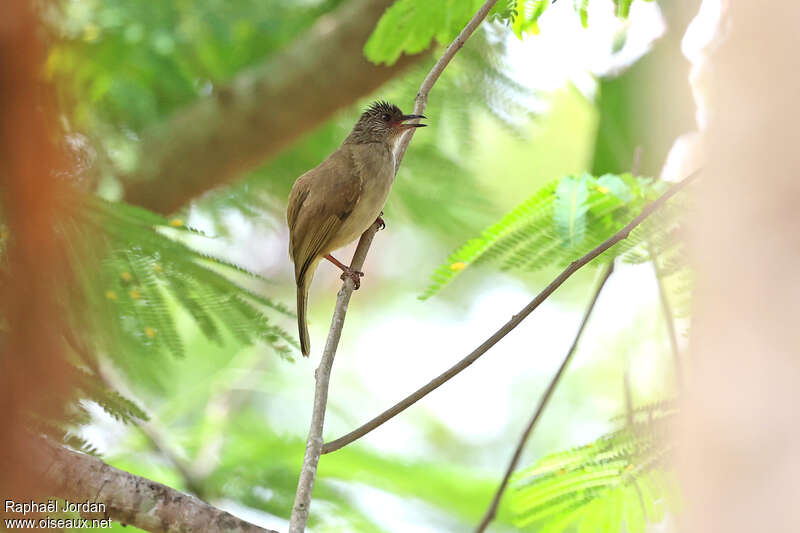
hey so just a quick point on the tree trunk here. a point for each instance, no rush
(739, 432)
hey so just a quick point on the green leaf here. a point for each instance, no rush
(410, 26)
(504, 11)
(616, 479)
(570, 208)
(623, 8)
(562, 221)
(582, 6)
(537, 208)
(527, 20)
(147, 274)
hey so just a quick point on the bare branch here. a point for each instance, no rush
(305, 485)
(511, 324)
(262, 110)
(492, 510)
(134, 500)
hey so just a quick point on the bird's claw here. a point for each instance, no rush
(354, 275)
(381, 223)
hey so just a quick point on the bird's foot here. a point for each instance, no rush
(347, 272)
(381, 223)
(354, 275)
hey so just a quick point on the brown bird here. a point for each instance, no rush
(334, 203)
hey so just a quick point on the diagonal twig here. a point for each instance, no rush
(308, 473)
(492, 510)
(511, 324)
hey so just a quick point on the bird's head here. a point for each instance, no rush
(382, 122)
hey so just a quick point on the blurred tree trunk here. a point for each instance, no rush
(262, 110)
(739, 433)
(33, 270)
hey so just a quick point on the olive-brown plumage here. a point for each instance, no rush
(334, 203)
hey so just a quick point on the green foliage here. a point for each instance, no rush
(619, 479)
(561, 222)
(121, 67)
(527, 16)
(129, 64)
(136, 271)
(133, 272)
(410, 26)
(88, 387)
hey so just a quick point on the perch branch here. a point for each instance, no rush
(131, 499)
(305, 484)
(511, 324)
(492, 510)
(308, 473)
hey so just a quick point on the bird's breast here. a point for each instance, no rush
(376, 170)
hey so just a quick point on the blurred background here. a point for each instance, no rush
(198, 116)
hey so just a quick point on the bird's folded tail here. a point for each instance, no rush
(302, 303)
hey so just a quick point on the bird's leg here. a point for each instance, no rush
(380, 221)
(342, 266)
(347, 272)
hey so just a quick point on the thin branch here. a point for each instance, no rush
(308, 473)
(133, 500)
(492, 510)
(305, 484)
(666, 309)
(511, 324)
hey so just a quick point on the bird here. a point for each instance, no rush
(335, 202)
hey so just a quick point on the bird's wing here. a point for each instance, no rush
(321, 200)
(296, 198)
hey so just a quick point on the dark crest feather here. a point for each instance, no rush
(382, 106)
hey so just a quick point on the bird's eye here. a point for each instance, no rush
(386, 117)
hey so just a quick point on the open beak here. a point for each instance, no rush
(409, 126)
